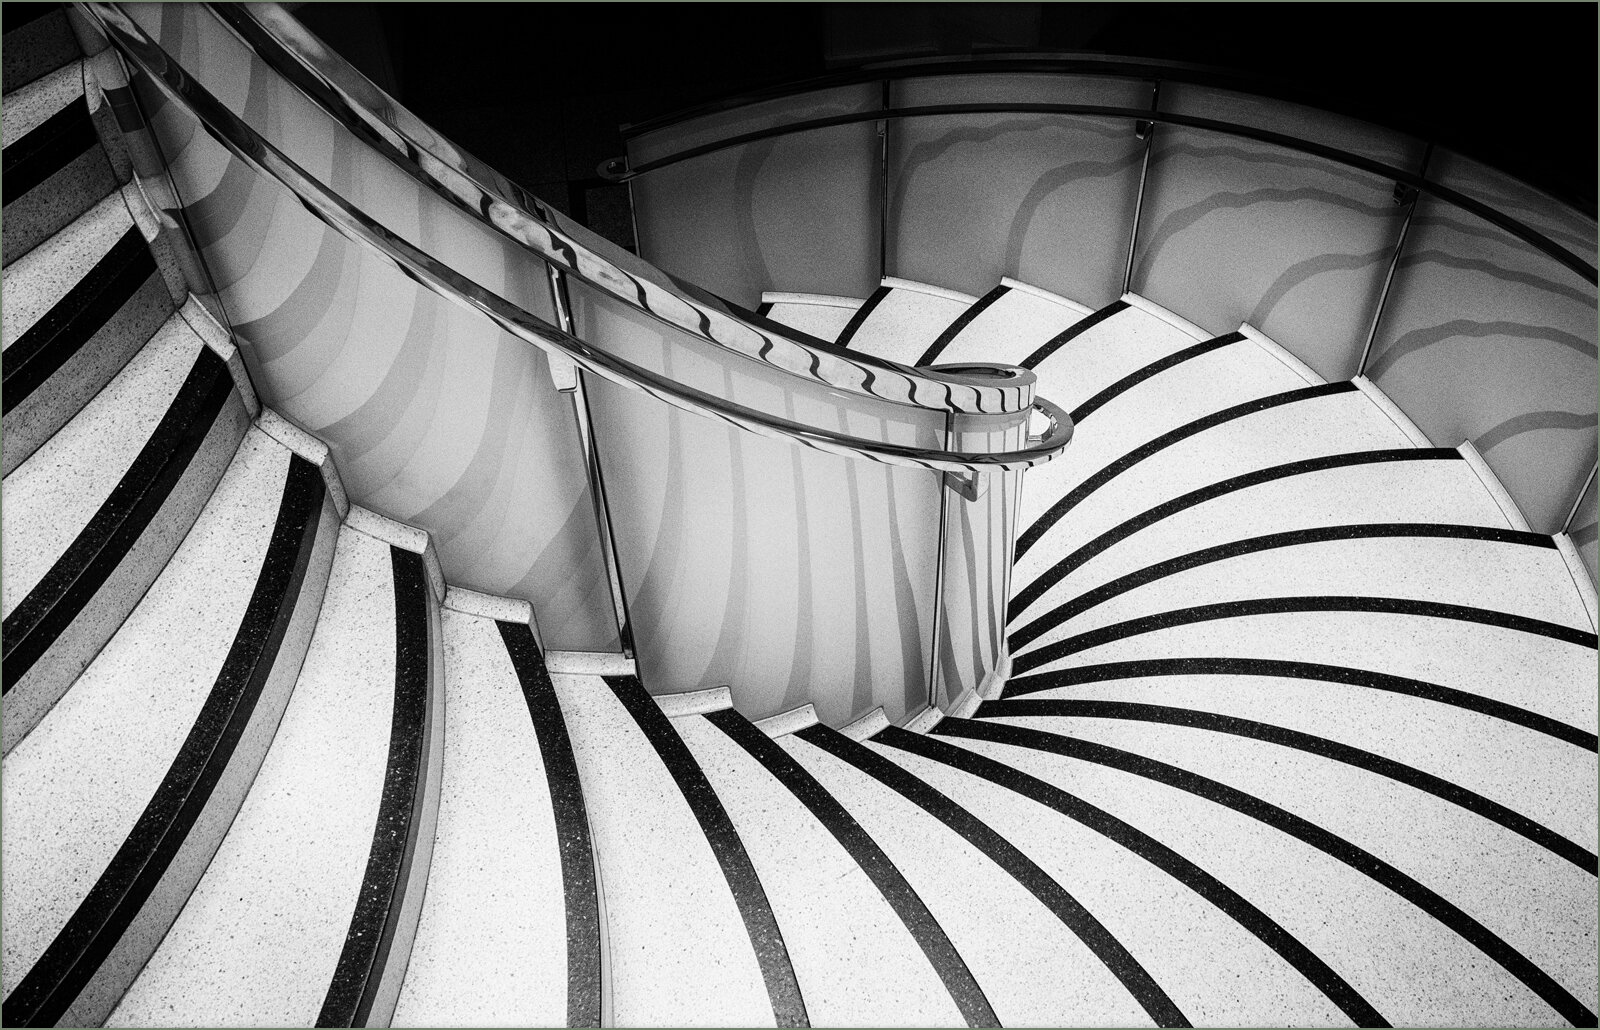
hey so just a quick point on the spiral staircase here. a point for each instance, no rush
(1297, 725)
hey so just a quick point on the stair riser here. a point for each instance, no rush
(145, 932)
(37, 691)
(34, 49)
(53, 403)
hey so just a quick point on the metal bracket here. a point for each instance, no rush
(1404, 194)
(563, 372)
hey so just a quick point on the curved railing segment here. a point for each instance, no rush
(472, 186)
(619, 172)
(244, 143)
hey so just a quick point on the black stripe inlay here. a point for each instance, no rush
(1513, 961)
(44, 995)
(1072, 332)
(1274, 667)
(44, 151)
(1225, 898)
(764, 308)
(1155, 368)
(18, 15)
(572, 824)
(1472, 801)
(861, 315)
(383, 886)
(1271, 541)
(1165, 440)
(48, 344)
(899, 893)
(1004, 854)
(1047, 579)
(963, 320)
(1280, 605)
(783, 989)
(94, 555)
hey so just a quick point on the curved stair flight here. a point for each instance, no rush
(1300, 726)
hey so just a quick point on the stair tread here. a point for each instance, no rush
(52, 495)
(495, 909)
(904, 321)
(29, 107)
(1011, 328)
(41, 277)
(1376, 932)
(259, 939)
(821, 316)
(985, 912)
(844, 939)
(75, 786)
(680, 954)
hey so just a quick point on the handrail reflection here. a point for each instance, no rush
(244, 143)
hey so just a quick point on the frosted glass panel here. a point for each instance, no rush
(1306, 123)
(1486, 339)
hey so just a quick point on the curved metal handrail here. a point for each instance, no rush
(355, 102)
(1527, 234)
(244, 143)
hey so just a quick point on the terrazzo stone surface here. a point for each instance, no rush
(679, 952)
(51, 497)
(1055, 980)
(258, 942)
(1540, 904)
(906, 320)
(35, 48)
(34, 282)
(56, 202)
(75, 786)
(494, 914)
(1013, 327)
(1414, 970)
(29, 107)
(844, 939)
(1312, 428)
(821, 316)
(1217, 973)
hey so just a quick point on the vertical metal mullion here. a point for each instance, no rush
(591, 463)
(1394, 267)
(1572, 513)
(1144, 175)
(883, 187)
(938, 569)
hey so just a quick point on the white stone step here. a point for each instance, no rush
(1216, 971)
(29, 107)
(1407, 964)
(261, 936)
(819, 315)
(75, 786)
(41, 277)
(844, 939)
(1314, 427)
(51, 497)
(679, 951)
(1550, 677)
(1105, 353)
(1011, 328)
(1441, 490)
(495, 911)
(1032, 967)
(906, 319)
(1543, 906)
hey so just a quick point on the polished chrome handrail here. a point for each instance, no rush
(355, 102)
(244, 143)
(1527, 234)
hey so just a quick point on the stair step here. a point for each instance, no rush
(121, 793)
(680, 953)
(1312, 423)
(1013, 323)
(841, 933)
(1364, 930)
(1217, 971)
(37, 41)
(813, 313)
(1402, 485)
(499, 912)
(80, 601)
(263, 938)
(1542, 777)
(1056, 979)
(902, 318)
(51, 497)
(54, 166)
